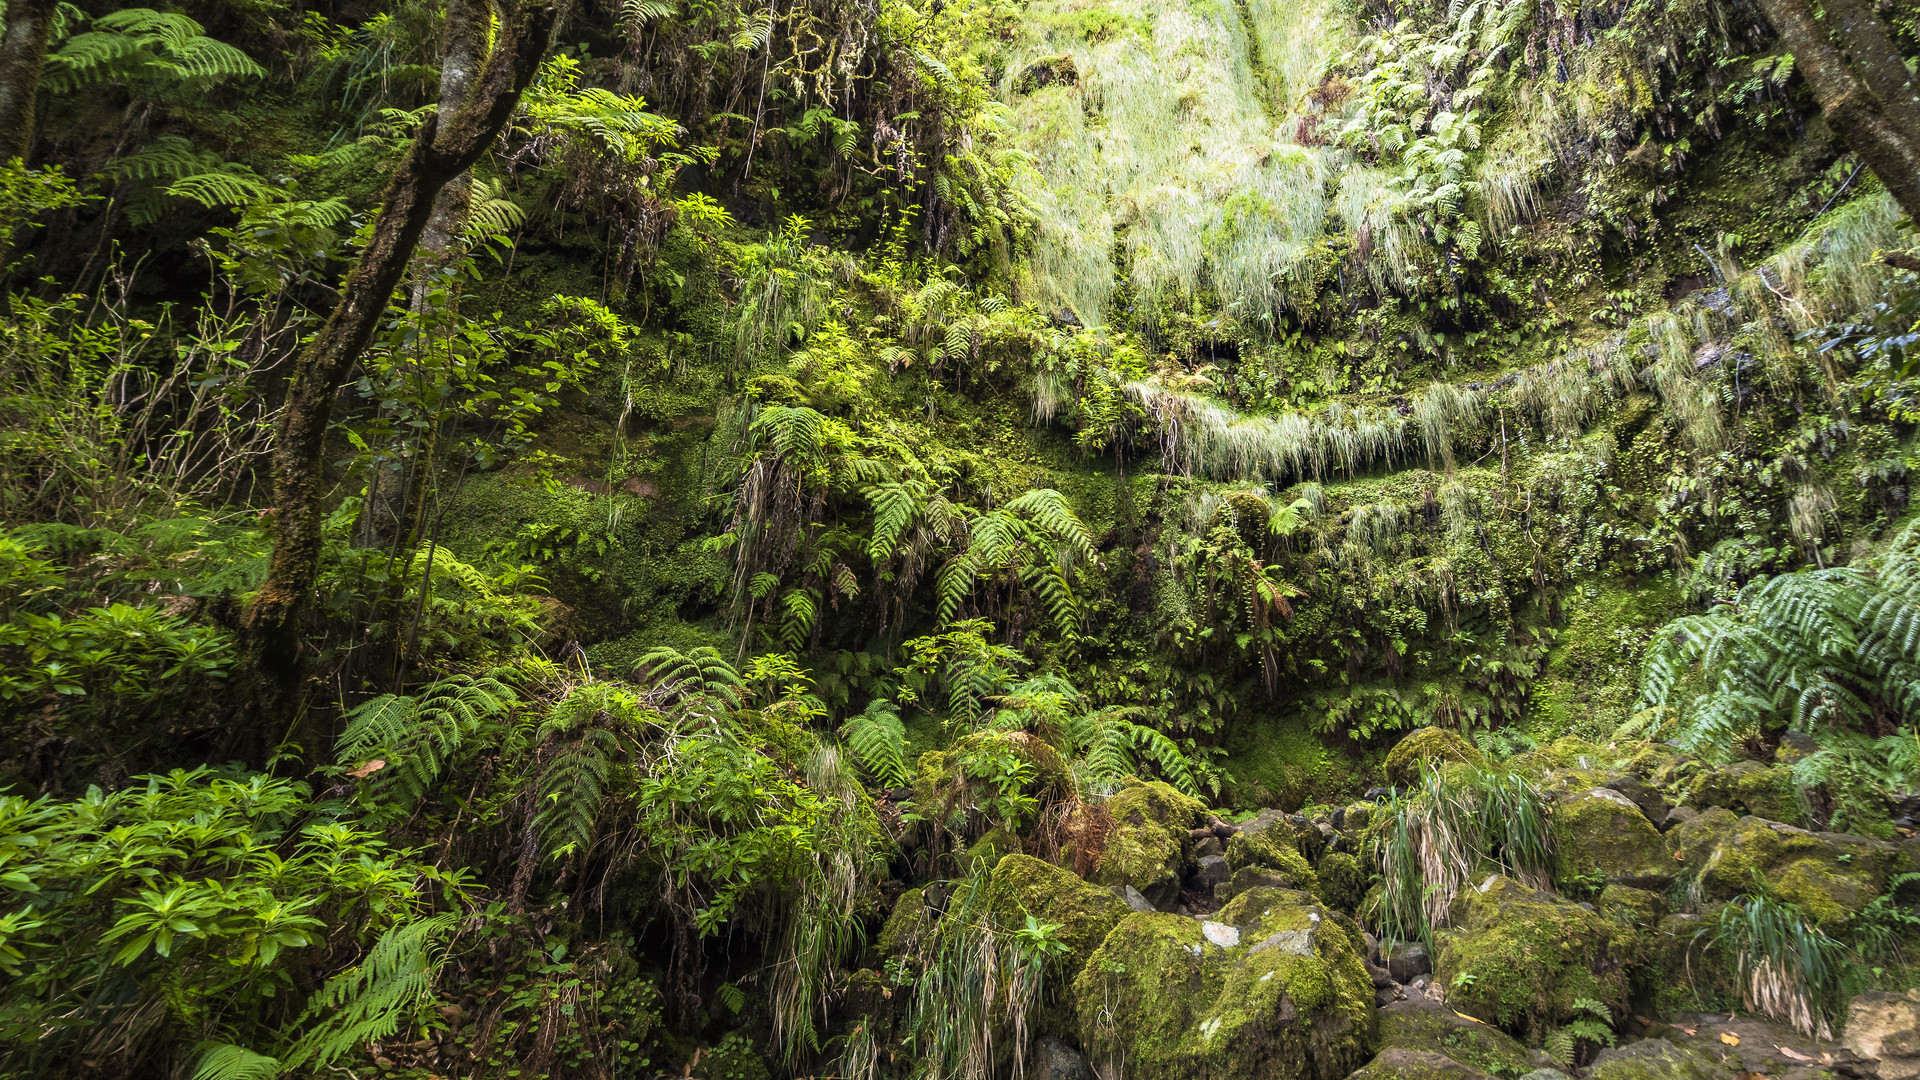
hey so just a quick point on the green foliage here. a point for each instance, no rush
(879, 742)
(140, 45)
(1592, 1026)
(1435, 839)
(1786, 968)
(408, 740)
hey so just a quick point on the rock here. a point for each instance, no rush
(1291, 1001)
(991, 848)
(1624, 905)
(1546, 1074)
(1408, 960)
(1269, 841)
(1795, 745)
(905, 925)
(1886, 1027)
(1655, 1059)
(1642, 793)
(1388, 994)
(1021, 885)
(1601, 836)
(1399, 1063)
(1829, 875)
(1055, 1060)
(1049, 71)
(1209, 872)
(1678, 815)
(1422, 1024)
(1382, 978)
(1371, 946)
(1749, 787)
(1208, 845)
(1342, 882)
(1428, 746)
(1519, 958)
(1132, 898)
(1149, 844)
(1220, 934)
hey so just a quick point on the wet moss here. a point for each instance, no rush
(906, 925)
(1428, 746)
(1150, 842)
(1749, 787)
(1601, 838)
(1426, 1025)
(1519, 958)
(1342, 881)
(1021, 885)
(1830, 876)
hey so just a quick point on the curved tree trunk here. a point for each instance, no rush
(444, 148)
(1863, 86)
(23, 56)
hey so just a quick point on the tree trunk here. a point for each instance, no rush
(466, 46)
(1862, 84)
(23, 56)
(445, 146)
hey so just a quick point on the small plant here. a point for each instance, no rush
(1787, 969)
(1591, 1026)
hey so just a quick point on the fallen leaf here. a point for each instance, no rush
(1691, 1031)
(1730, 1038)
(367, 770)
(1679, 856)
(1464, 1016)
(1794, 1054)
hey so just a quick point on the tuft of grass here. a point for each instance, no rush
(1788, 970)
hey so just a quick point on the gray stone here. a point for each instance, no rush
(1220, 934)
(1886, 1027)
(1546, 1074)
(1642, 795)
(1209, 845)
(1408, 960)
(1134, 900)
(1678, 815)
(1398, 1062)
(1055, 1060)
(1210, 871)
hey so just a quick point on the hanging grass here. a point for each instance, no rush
(1787, 970)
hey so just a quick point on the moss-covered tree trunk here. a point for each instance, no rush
(1864, 88)
(23, 56)
(444, 148)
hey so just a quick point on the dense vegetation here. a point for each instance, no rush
(616, 540)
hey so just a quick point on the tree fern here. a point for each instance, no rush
(369, 1001)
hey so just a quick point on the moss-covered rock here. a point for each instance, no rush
(1271, 842)
(1624, 905)
(951, 786)
(1021, 885)
(1428, 746)
(997, 844)
(1656, 1059)
(1519, 958)
(1829, 875)
(1149, 845)
(1342, 881)
(1272, 988)
(1602, 838)
(1426, 1025)
(1400, 1063)
(1749, 787)
(906, 925)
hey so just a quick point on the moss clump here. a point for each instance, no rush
(1427, 1025)
(1830, 876)
(1520, 958)
(1342, 881)
(1749, 787)
(1021, 885)
(1270, 842)
(956, 787)
(1284, 998)
(906, 926)
(1150, 841)
(1601, 838)
(1654, 1059)
(991, 848)
(1627, 906)
(1427, 746)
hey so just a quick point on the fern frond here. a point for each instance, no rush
(369, 1001)
(225, 1061)
(878, 740)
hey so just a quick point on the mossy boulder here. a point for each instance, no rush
(1021, 885)
(1519, 958)
(1342, 881)
(1273, 988)
(1422, 1024)
(1749, 787)
(906, 925)
(1400, 1063)
(1428, 746)
(1269, 841)
(997, 844)
(1624, 905)
(1656, 1059)
(950, 786)
(1149, 844)
(1602, 838)
(1830, 876)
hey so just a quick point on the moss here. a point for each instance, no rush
(906, 925)
(1150, 841)
(1271, 843)
(1601, 836)
(1624, 905)
(1591, 681)
(1022, 885)
(1400, 1063)
(1280, 762)
(1830, 876)
(991, 848)
(1429, 745)
(1749, 787)
(1290, 1001)
(1427, 1025)
(951, 786)
(1342, 881)
(1654, 1059)
(1520, 958)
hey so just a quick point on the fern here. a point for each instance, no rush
(369, 1001)
(417, 734)
(878, 740)
(140, 43)
(225, 1061)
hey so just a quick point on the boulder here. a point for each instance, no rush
(1283, 997)
(1397, 1063)
(1830, 876)
(1519, 958)
(1602, 837)
(1208, 872)
(1886, 1027)
(1641, 793)
(1407, 960)
(1342, 881)
(1749, 787)
(1149, 844)
(1021, 885)
(1428, 746)
(1420, 1023)
(1270, 842)
(1052, 1059)
(1656, 1059)
(906, 925)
